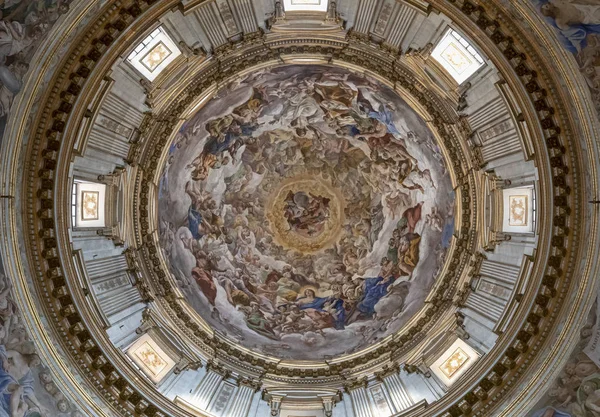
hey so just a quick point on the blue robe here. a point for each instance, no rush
(317, 303)
(194, 221)
(214, 147)
(338, 305)
(6, 380)
(373, 293)
(385, 116)
(447, 233)
(575, 38)
(340, 320)
(557, 413)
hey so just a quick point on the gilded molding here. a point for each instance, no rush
(158, 137)
(59, 114)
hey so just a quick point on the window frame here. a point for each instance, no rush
(453, 38)
(157, 36)
(322, 5)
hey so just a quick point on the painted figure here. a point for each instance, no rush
(340, 130)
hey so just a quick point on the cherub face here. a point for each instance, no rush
(200, 174)
(548, 9)
(235, 128)
(34, 361)
(403, 246)
(570, 369)
(586, 333)
(45, 378)
(62, 406)
(587, 387)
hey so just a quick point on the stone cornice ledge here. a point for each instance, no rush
(561, 202)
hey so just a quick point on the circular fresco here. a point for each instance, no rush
(305, 211)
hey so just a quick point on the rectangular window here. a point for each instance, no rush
(154, 54)
(150, 358)
(305, 5)
(88, 204)
(454, 362)
(519, 210)
(457, 56)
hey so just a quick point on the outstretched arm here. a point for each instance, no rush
(30, 397)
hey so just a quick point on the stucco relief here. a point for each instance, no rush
(576, 391)
(26, 386)
(22, 28)
(577, 25)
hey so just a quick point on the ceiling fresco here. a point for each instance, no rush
(577, 25)
(305, 211)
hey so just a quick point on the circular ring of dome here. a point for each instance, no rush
(548, 298)
(420, 323)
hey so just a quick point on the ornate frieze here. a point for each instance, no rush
(83, 338)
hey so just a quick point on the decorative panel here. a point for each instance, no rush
(454, 362)
(518, 210)
(151, 359)
(89, 205)
(380, 401)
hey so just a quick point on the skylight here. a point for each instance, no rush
(87, 204)
(305, 5)
(154, 54)
(457, 56)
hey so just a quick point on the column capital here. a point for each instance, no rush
(274, 402)
(354, 384)
(387, 370)
(330, 401)
(255, 384)
(112, 179)
(112, 233)
(217, 368)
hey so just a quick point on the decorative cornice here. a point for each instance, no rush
(60, 111)
(256, 385)
(356, 384)
(387, 370)
(155, 142)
